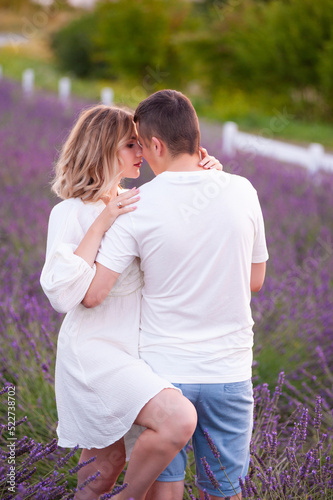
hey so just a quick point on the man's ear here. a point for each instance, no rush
(158, 146)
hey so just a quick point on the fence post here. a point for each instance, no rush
(229, 133)
(28, 78)
(316, 154)
(107, 96)
(64, 90)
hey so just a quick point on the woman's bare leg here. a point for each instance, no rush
(213, 497)
(110, 462)
(170, 419)
(173, 490)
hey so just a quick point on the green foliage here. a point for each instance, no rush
(282, 49)
(132, 36)
(325, 72)
(282, 46)
(131, 39)
(74, 46)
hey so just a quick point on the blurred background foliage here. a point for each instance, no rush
(282, 48)
(237, 60)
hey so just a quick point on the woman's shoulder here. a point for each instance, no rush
(74, 211)
(65, 209)
(69, 205)
(66, 205)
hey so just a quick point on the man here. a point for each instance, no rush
(200, 237)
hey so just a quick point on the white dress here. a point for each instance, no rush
(100, 383)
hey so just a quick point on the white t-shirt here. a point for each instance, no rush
(197, 234)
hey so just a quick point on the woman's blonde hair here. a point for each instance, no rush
(88, 167)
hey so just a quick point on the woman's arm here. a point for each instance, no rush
(100, 286)
(89, 245)
(65, 277)
(68, 270)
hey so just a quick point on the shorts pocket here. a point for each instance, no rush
(235, 387)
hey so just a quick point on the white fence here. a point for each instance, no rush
(312, 157)
(64, 88)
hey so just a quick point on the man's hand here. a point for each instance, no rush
(100, 286)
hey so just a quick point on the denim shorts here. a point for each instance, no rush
(226, 412)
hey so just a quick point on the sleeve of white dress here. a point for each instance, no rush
(65, 277)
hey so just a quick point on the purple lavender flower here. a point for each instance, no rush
(192, 497)
(209, 473)
(89, 480)
(79, 466)
(211, 444)
(318, 417)
(289, 457)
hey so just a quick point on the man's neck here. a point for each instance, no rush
(183, 163)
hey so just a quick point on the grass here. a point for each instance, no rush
(296, 131)
(269, 364)
(47, 75)
(262, 115)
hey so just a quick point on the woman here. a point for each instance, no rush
(104, 392)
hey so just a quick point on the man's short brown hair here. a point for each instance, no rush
(170, 116)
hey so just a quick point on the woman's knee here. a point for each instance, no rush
(170, 414)
(180, 420)
(183, 422)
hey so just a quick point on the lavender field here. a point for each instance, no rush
(291, 451)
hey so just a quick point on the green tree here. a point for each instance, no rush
(275, 46)
(137, 40)
(133, 36)
(74, 46)
(325, 72)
